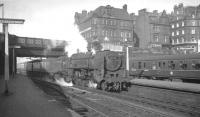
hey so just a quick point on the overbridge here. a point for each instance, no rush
(29, 47)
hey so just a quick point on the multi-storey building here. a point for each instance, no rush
(109, 26)
(185, 28)
(153, 29)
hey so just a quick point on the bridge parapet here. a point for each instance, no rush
(36, 46)
(27, 42)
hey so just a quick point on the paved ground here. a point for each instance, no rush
(28, 101)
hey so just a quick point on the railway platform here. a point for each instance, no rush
(26, 100)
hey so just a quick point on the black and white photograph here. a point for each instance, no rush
(99, 58)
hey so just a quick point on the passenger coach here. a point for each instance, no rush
(182, 67)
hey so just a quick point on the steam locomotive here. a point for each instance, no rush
(107, 68)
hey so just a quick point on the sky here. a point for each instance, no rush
(54, 19)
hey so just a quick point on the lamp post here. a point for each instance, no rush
(5, 22)
(127, 57)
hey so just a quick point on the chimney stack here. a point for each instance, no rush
(125, 7)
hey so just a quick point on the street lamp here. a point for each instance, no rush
(127, 56)
(5, 22)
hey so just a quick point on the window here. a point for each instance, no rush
(193, 31)
(173, 41)
(193, 40)
(111, 33)
(129, 34)
(155, 37)
(30, 41)
(163, 64)
(183, 65)
(159, 64)
(172, 25)
(193, 23)
(177, 32)
(165, 39)
(196, 65)
(38, 42)
(171, 65)
(94, 21)
(193, 16)
(172, 33)
(183, 32)
(122, 34)
(177, 41)
(156, 28)
(183, 23)
(21, 40)
(139, 65)
(106, 33)
(183, 40)
(177, 25)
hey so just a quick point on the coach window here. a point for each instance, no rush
(144, 65)
(139, 65)
(159, 64)
(171, 65)
(183, 65)
(196, 65)
(163, 64)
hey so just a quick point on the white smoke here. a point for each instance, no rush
(77, 42)
(62, 82)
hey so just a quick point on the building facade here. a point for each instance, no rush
(107, 27)
(185, 28)
(153, 29)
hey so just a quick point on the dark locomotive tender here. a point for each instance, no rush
(107, 68)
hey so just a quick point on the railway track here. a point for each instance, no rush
(111, 105)
(105, 104)
(163, 105)
(73, 104)
(174, 100)
(88, 104)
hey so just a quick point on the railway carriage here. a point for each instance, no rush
(181, 67)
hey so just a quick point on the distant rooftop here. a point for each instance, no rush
(104, 11)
